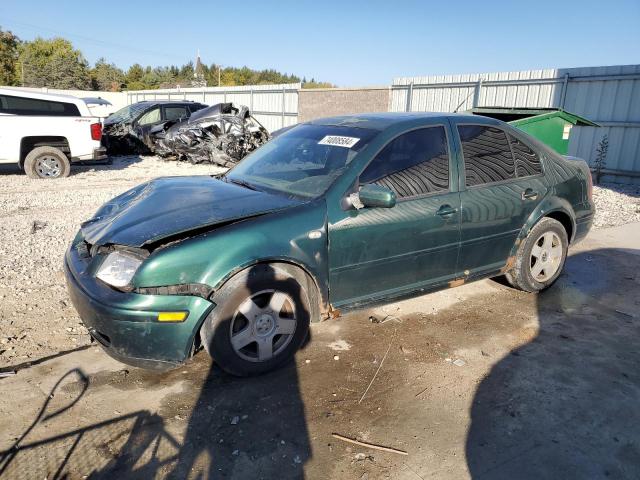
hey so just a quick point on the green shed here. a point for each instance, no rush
(551, 126)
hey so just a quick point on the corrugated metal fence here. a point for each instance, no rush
(609, 96)
(275, 106)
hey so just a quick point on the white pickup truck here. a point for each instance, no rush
(44, 132)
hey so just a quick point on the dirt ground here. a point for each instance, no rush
(38, 219)
(480, 381)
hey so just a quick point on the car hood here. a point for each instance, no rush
(172, 206)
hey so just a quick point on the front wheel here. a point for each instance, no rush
(540, 257)
(260, 320)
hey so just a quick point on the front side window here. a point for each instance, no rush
(152, 116)
(527, 161)
(33, 106)
(303, 161)
(487, 155)
(414, 163)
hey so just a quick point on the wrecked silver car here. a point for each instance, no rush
(127, 130)
(222, 134)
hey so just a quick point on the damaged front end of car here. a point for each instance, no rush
(222, 134)
(123, 139)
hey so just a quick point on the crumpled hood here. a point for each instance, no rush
(174, 205)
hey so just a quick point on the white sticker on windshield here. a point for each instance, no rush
(338, 141)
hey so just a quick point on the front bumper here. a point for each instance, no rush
(126, 325)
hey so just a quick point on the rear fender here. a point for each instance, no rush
(548, 205)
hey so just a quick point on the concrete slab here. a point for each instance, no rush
(481, 381)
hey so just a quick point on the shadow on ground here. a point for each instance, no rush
(565, 405)
(237, 428)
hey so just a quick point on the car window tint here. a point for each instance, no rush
(33, 106)
(414, 163)
(527, 161)
(152, 116)
(174, 113)
(487, 155)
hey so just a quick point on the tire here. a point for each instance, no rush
(47, 162)
(258, 307)
(538, 264)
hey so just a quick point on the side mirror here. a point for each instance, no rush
(371, 195)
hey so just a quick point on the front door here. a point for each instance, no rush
(502, 186)
(376, 253)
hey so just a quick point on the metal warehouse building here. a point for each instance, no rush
(608, 96)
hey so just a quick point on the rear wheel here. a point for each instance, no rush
(260, 320)
(540, 257)
(47, 162)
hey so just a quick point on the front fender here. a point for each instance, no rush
(212, 258)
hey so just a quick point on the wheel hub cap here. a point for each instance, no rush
(264, 325)
(48, 166)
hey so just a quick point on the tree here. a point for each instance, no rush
(601, 157)
(8, 58)
(53, 63)
(106, 76)
(134, 76)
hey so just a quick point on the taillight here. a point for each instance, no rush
(96, 131)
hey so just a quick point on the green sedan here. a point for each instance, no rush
(330, 215)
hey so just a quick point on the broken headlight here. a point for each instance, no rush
(118, 268)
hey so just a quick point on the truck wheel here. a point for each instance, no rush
(47, 162)
(260, 320)
(540, 257)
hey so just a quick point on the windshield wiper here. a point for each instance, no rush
(240, 182)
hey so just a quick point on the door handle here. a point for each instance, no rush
(446, 211)
(529, 194)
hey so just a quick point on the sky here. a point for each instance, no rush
(347, 43)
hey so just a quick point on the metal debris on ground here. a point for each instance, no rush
(222, 134)
(37, 225)
(8, 374)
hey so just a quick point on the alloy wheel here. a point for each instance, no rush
(546, 256)
(263, 325)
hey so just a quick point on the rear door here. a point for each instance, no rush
(501, 183)
(379, 253)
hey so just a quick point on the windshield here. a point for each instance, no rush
(303, 161)
(127, 114)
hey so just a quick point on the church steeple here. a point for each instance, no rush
(198, 73)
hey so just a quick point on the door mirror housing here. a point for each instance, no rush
(375, 196)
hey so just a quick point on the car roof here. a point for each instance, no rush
(164, 102)
(23, 92)
(383, 120)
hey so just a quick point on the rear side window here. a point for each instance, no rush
(415, 163)
(174, 113)
(33, 106)
(527, 161)
(487, 155)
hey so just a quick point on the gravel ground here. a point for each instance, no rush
(38, 219)
(616, 204)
